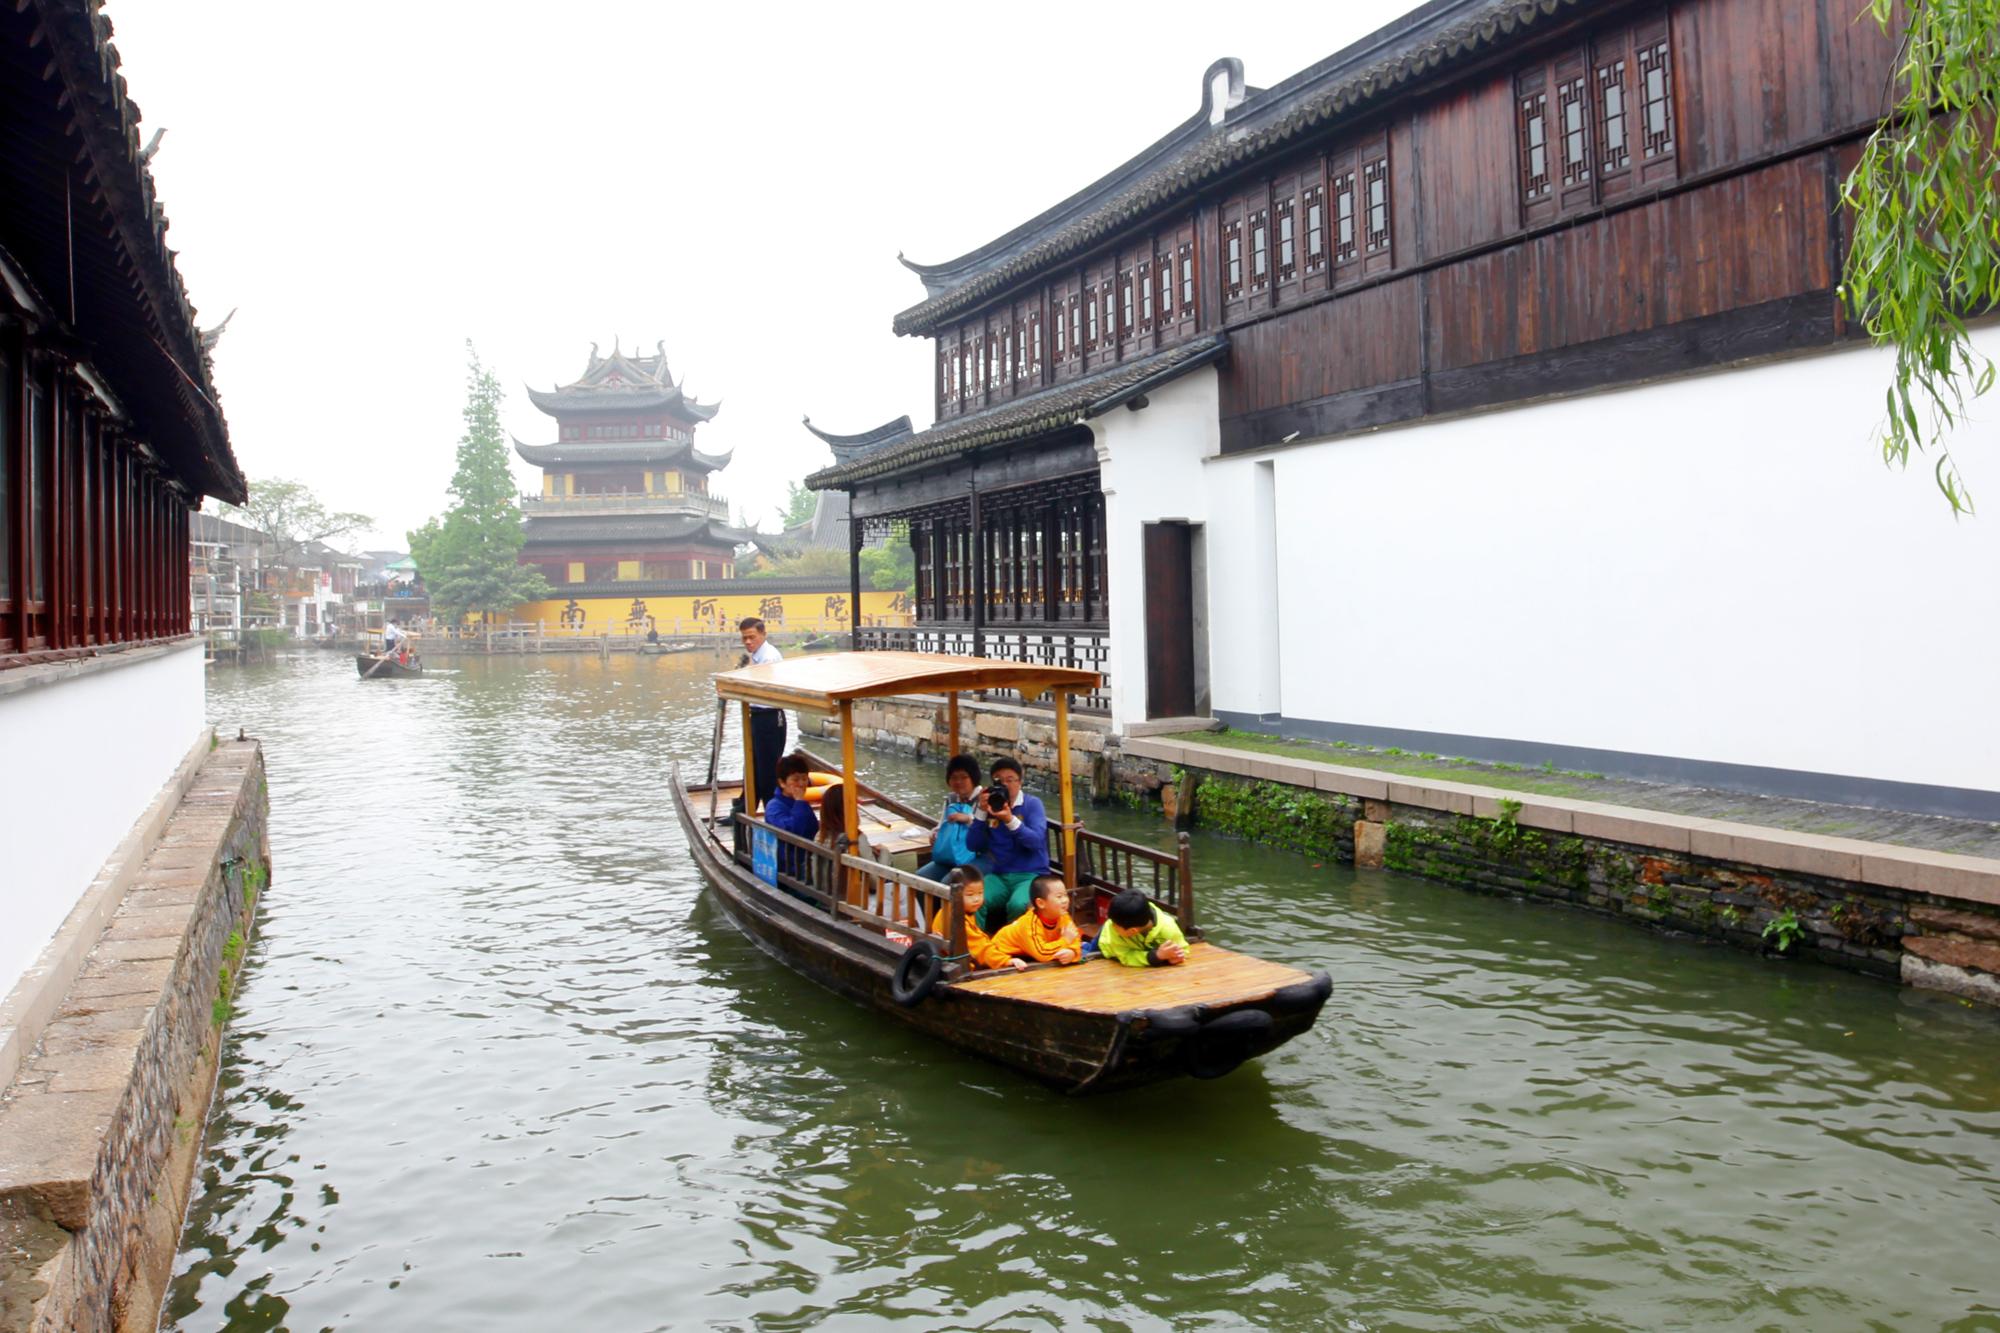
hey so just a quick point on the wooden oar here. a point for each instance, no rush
(380, 662)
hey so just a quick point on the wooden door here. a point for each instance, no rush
(1169, 620)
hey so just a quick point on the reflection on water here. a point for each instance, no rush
(499, 1064)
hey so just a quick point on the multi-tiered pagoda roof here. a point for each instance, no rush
(626, 496)
(620, 383)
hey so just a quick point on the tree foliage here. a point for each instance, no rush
(817, 562)
(469, 556)
(799, 504)
(1926, 223)
(890, 568)
(291, 517)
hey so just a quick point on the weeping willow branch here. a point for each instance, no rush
(1925, 199)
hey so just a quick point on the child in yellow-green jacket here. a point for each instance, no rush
(1138, 934)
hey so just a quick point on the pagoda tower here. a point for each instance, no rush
(626, 498)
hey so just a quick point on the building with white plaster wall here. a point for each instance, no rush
(1480, 389)
(110, 438)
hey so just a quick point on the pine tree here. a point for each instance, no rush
(469, 557)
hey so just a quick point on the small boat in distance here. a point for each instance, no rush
(374, 666)
(862, 927)
(664, 649)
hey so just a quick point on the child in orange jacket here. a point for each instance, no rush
(1044, 933)
(978, 944)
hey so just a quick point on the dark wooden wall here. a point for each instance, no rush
(1718, 243)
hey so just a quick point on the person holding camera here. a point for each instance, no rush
(1013, 830)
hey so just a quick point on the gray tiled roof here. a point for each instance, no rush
(1429, 40)
(768, 587)
(1037, 414)
(847, 448)
(582, 452)
(663, 528)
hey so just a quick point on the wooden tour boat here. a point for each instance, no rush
(861, 927)
(373, 666)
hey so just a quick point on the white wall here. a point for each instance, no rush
(83, 758)
(1150, 465)
(1717, 568)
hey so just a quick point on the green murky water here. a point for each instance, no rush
(498, 1064)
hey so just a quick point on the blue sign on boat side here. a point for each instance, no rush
(764, 855)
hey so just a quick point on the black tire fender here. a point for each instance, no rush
(1167, 1024)
(1221, 1044)
(1302, 996)
(916, 975)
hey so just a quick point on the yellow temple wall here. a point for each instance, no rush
(683, 614)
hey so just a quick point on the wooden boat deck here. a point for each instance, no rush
(1211, 976)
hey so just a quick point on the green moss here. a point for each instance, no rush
(1275, 814)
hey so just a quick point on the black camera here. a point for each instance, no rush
(996, 801)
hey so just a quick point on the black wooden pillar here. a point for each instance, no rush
(978, 554)
(855, 526)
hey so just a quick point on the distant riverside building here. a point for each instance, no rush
(626, 497)
(111, 434)
(1481, 389)
(629, 530)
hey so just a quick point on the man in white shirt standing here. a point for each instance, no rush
(767, 725)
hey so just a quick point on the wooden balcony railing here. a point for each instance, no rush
(1055, 645)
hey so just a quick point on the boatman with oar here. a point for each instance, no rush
(767, 725)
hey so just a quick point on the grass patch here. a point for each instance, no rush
(1506, 777)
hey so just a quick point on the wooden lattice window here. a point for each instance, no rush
(1571, 100)
(1315, 229)
(1613, 133)
(1288, 257)
(1110, 315)
(1163, 266)
(1090, 330)
(1232, 244)
(1075, 325)
(1035, 345)
(1346, 235)
(1146, 295)
(1375, 184)
(1125, 303)
(1062, 331)
(1187, 279)
(1535, 146)
(1260, 250)
(1656, 106)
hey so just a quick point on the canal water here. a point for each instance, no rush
(497, 1063)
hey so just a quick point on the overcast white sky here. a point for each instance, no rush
(373, 183)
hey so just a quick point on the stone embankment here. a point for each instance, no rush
(1926, 918)
(101, 1126)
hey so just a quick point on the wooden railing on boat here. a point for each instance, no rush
(1102, 862)
(874, 893)
(860, 889)
(1112, 864)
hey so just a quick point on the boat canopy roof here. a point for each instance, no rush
(828, 678)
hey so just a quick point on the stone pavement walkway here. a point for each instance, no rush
(1966, 837)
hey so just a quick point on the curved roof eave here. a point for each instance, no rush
(1419, 43)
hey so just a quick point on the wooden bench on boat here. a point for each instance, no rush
(862, 927)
